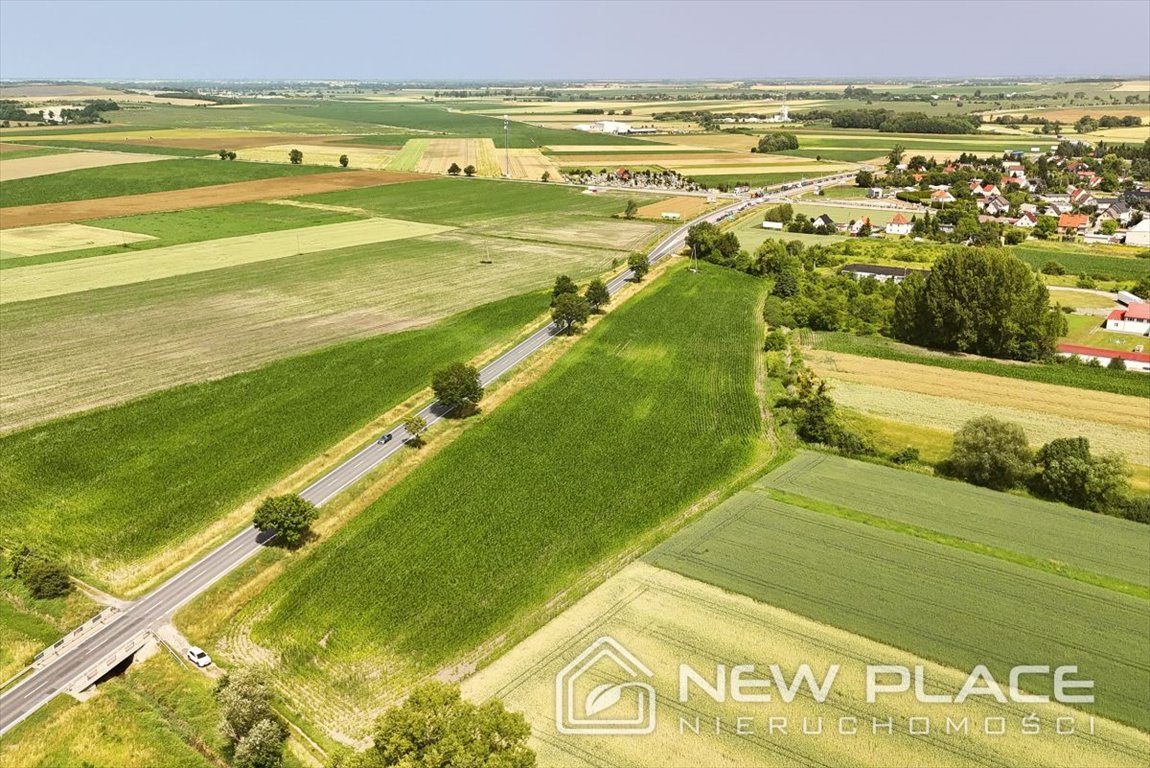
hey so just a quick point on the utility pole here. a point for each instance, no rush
(506, 148)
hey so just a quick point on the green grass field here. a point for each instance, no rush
(111, 146)
(1076, 538)
(122, 483)
(642, 417)
(462, 201)
(141, 178)
(754, 179)
(193, 225)
(1082, 377)
(1086, 260)
(37, 151)
(947, 604)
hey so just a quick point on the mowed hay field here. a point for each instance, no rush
(942, 398)
(666, 619)
(950, 605)
(54, 238)
(372, 159)
(71, 352)
(28, 167)
(42, 281)
(113, 488)
(480, 543)
(688, 207)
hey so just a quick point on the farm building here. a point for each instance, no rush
(777, 225)
(874, 193)
(880, 272)
(1139, 234)
(1126, 298)
(1134, 361)
(898, 225)
(1135, 318)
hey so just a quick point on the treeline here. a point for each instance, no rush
(12, 111)
(196, 95)
(889, 121)
(90, 112)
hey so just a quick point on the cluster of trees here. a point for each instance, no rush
(983, 301)
(889, 121)
(1087, 124)
(290, 516)
(295, 156)
(813, 412)
(12, 111)
(44, 577)
(436, 726)
(777, 142)
(996, 454)
(454, 170)
(254, 733)
(571, 310)
(227, 154)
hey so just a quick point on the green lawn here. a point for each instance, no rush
(1082, 377)
(1086, 260)
(141, 178)
(123, 483)
(37, 151)
(641, 418)
(1087, 330)
(936, 600)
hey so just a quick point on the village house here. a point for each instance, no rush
(874, 193)
(1134, 318)
(857, 225)
(1118, 211)
(1139, 234)
(1026, 221)
(898, 225)
(823, 222)
(978, 189)
(995, 206)
(1082, 198)
(941, 196)
(1071, 223)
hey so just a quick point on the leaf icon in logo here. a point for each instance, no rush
(603, 696)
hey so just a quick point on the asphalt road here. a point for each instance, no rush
(157, 607)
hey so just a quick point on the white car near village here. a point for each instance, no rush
(199, 657)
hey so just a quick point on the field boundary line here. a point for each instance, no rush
(956, 542)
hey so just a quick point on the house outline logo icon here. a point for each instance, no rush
(567, 718)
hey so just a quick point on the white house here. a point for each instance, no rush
(997, 205)
(879, 272)
(857, 225)
(874, 193)
(610, 126)
(824, 222)
(1026, 221)
(1134, 361)
(942, 196)
(1135, 318)
(1118, 211)
(898, 225)
(1139, 234)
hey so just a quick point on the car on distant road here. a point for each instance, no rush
(384, 440)
(198, 657)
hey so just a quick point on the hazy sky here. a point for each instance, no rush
(538, 40)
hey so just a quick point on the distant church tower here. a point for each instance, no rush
(783, 115)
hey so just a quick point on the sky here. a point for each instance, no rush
(536, 40)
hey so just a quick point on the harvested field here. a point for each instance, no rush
(593, 232)
(648, 147)
(666, 620)
(717, 169)
(439, 154)
(55, 279)
(374, 159)
(198, 197)
(54, 238)
(687, 206)
(735, 141)
(75, 352)
(27, 167)
(944, 398)
(530, 164)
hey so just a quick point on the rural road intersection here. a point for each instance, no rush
(157, 607)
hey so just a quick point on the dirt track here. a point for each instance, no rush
(199, 197)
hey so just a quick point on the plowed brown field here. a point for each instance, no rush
(200, 197)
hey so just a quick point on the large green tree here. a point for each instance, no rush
(436, 727)
(458, 386)
(290, 516)
(778, 142)
(990, 453)
(639, 266)
(597, 295)
(1069, 473)
(978, 300)
(570, 311)
(563, 284)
